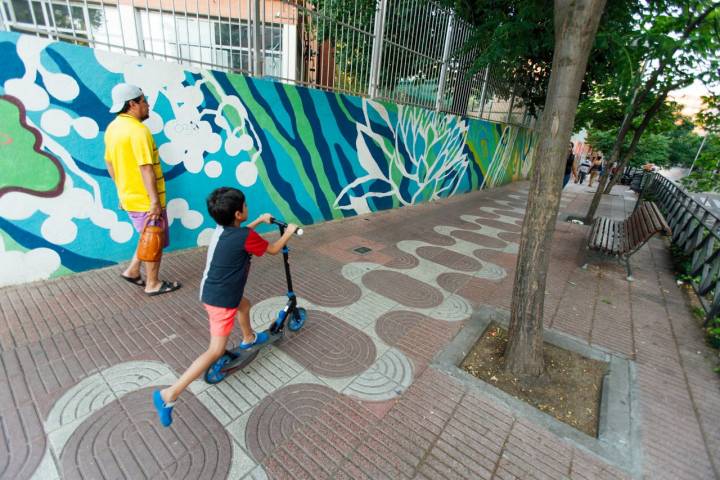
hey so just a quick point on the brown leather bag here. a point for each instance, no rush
(151, 242)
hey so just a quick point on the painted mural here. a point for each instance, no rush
(301, 154)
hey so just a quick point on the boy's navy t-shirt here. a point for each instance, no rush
(228, 265)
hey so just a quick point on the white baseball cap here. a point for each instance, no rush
(121, 93)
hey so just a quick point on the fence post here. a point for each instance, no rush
(446, 55)
(484, 90)
(256, 26)
(377, 48)
(5, 22)
(512, 104)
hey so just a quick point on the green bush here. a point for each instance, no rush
(713, 332)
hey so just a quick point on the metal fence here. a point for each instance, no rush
(696, 230)
(405, 51)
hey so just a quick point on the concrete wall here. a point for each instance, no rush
(303, 155)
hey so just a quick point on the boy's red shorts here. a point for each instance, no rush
(221, 320)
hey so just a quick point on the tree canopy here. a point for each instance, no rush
(670, 139)
(515, 38)
(705, 176)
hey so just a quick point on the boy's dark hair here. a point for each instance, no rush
(223, 202)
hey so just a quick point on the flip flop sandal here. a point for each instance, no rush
(134, 280)
(165, 287)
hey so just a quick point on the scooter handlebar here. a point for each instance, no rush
(284, 225)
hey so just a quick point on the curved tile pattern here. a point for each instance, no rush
(453, 309)
(449, 258)
(479, 238)
(327, 289)
(415, 334)
(509, 213)
(281, 413)
(452, 281)
(330, 347)
(197, 446)
(505, 260)
(405, 290)
(504, 226)
(433, 238)
(401, 260)
(510, 237)
(387, 378)
(20, 460)
(484, 213)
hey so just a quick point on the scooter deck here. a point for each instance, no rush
(240, 362)
(241, 357)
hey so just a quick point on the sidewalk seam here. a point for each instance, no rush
(437, 437)
(504, 447)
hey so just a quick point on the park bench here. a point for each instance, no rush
(619, 239)
(636, 184)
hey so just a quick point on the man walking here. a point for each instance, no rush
(585, 165)
(570, 170)
(134, 165)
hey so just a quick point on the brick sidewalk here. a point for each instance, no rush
(351, 395)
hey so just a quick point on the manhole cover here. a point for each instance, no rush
(362, 250)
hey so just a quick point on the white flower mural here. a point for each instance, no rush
(425, 161)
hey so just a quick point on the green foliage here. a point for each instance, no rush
(705, 176)
(599, 113)
(671, 140)
(684, 142)
(516, 38)
(653, 148)
(698, 313)
(712, 332)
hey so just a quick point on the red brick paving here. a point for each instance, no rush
(55, 334)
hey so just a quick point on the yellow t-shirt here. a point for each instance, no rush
(129, 144)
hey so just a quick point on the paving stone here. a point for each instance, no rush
(402, 289)
(77, 365)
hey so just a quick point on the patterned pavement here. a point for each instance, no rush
(352, 394)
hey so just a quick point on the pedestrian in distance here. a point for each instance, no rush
(595, 169)
(585, 165)
(570, 169)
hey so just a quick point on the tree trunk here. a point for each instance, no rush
(615, 152)
(636, 138)
(576, 24)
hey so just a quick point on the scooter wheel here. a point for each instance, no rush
(215, 373)
(298, 320)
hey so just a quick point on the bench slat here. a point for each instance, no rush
(604, 235)
(643, 223)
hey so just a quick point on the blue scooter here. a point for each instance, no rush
(233, 360)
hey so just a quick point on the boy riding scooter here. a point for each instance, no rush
(221, 290)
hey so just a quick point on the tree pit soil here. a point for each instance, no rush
(570, 390)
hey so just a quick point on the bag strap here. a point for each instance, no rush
(160, 221)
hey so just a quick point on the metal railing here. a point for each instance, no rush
(404, 51)
(696, 230)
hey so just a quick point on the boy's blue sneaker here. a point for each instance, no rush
(260, 338)
(164, 411)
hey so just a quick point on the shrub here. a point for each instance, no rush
(713, 332)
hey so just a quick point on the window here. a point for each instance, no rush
(206, 41)
(80, 20)
(28, 12)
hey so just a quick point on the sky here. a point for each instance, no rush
(689, 97)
